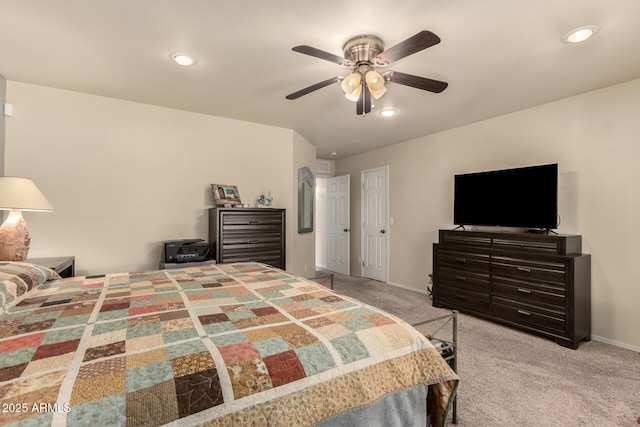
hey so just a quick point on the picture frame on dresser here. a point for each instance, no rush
(225, 195)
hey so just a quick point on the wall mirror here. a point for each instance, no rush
(306, 187)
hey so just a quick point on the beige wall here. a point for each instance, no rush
(303, 249)
(124, 176)
(594, 139)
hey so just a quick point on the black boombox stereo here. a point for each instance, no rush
(185, 250)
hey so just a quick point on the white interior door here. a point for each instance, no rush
(375, 224)
(338, 245)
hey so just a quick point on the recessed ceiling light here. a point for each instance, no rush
(580, 34)
(183, 59)
(333, 153)
(388, 112)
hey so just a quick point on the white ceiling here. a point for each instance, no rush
(498, 56)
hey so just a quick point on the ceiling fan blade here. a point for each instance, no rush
(312, 88)
(423, 83)
(312, 51)
(363, 106)
(413, 44)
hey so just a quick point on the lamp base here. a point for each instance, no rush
(14, 237)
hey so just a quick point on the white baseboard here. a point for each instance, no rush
(398, 285)
(616, 343)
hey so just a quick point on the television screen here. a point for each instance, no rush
(522, 197)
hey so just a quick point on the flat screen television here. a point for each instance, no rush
(522, 197)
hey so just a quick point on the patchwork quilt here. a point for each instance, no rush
(229, 344)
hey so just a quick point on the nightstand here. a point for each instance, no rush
(65, 265)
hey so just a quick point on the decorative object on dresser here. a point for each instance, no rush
(265, 201)
(536, 282)
(252, 234)
(65, 266)
(17, 195)
(225, 195)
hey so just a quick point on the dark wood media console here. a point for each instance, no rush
(540, 283)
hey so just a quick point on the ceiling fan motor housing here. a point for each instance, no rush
(363, 49)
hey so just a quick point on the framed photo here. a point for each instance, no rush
(225, 195)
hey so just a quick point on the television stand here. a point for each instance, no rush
(539, 283)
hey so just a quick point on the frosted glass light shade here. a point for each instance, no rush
(375, 83)
(352, 86)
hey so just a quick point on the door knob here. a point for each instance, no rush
(383, 231)
(346, 230)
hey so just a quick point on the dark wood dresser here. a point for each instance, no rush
(253, 234)
(540, 283)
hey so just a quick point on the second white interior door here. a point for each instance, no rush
(375, 223)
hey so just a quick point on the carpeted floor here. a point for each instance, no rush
(512, 378)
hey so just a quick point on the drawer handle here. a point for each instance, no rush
(461, 260)
(253, 241)
(524, 313)
(462, 297)
(462, 279)
(524, 291)
(524, 269)
(254, 222)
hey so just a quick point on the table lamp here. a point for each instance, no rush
(17, 195)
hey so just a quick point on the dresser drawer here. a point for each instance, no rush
(251, 254)
(529, 270)
(463, 260)
(465, 239)
(463, 279)
(530, 315)
(250, 237)
(249, 218)
(527, 245)
(463, 298)
(529, 292)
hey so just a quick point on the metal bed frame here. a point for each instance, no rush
(448, 348)
(322, 279)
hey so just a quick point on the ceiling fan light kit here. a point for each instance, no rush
(363, 54)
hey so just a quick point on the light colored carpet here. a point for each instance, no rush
(512, 378)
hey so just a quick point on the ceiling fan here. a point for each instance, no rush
(365, 53)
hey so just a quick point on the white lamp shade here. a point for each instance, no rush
(351, 85)
(21, 193)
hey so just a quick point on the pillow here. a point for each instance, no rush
(18, 278)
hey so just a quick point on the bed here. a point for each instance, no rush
(217, 345)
